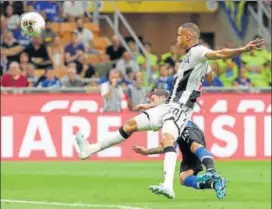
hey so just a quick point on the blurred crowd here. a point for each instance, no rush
(47, 62)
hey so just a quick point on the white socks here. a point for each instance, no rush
(114, 138)
(169, 165)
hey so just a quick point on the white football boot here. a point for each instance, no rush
(162, 190)
(83, 145)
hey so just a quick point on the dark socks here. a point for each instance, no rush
(206, 158)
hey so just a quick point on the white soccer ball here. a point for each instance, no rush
(32, 24)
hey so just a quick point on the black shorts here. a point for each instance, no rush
(189, 159)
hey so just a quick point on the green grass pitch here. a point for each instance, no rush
(115, 185)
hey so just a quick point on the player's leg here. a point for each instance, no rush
(203, 155)
(195, 154)
(189, 168)
(139, 123)
(172, 127)
(170, 158)
(189, 179)
(209, 180)
(169, 164)
(173, 124)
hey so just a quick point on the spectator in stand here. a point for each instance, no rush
(236, 59)
(88, 70)
(48, 34)
(136, 92)
(130, 78)
(21, 37)
(126, 81)
(41, 78)
(255, 62)
(90, 49)
(112, 93)
(104, 66)
(149, 79)
(13, 20)
(242, 80)
(29, 7)
(74, 50)
(212, 79)
(50, 80)
(115, 51)
(4, 26)
(38, 54)
(71, 79)
(14, 78)
(267, 73)
(30, 74)
(173, 56)
(51, 8)
(127, 65)
(165, 81)
(56, 52)
(24, 61)
(43, 14)
(4, 64)
(153, 58)
(229, 73)
(176, 67)
(11, 48)
(262, 53)
(59, 17)
(17, 6)
(73, 9)
(253, 59)
(256, 75)
(84, 34)
(133, 49)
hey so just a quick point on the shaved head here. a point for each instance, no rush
(193, 28)
(188, 35)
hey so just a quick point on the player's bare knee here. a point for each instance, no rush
(167, 140)
(182, 177)
(130, 126)
(195, 146)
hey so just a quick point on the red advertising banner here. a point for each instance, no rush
(42, 127)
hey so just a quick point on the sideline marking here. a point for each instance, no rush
(64, 204)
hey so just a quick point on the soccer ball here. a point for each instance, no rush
(32, 24)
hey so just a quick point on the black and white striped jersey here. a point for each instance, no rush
(190, 75)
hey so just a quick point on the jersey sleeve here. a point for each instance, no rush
(200, 53)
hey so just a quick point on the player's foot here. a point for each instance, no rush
(207, 176)
(162, 190)
(220, 183)
(82, 144)
(220, 187)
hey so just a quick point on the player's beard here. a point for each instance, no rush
(180, 45)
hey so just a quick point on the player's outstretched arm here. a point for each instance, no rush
(228, 53)
(143, 107)
(145, 151)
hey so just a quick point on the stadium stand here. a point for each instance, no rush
(91, 63)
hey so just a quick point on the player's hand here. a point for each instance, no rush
(140, 107)
(254, 45)
(140, 150)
